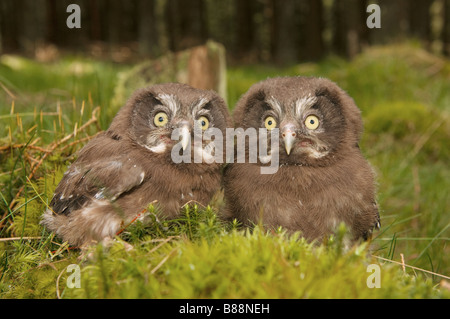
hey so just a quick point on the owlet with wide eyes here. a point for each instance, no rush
(322, 178)
(124, 169)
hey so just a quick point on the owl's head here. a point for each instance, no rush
(152, 114)
(317, 121)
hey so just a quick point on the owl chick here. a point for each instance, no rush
(322, 178)
(119, 172)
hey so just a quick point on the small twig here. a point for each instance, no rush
(11, 95)
(37, 148)
(416, 181)
(161, 244)
(131, 222)
(79, 141)
(403, 263)
(27, 114)
(158, 240)
(412, 267)
(93, 119)
(193, 201)
(135, 218)
(30, 159)
(163, 261)
(52, 148)
(58, 295)
(19, 238)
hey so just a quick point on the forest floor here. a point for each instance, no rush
(50, 110)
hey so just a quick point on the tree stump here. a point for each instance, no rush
(202, 67)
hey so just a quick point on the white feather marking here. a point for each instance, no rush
(312, 152)
(275, 105)
(301, 105)
(160, 148)
(100, 194)
(170, 101)
(75, 171)
(198, 107)
(87, 212)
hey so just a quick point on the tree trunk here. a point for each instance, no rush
(244, 28)
(170, 11)
(94, 23)
(203, 67)
(32, 28)
(446, 28)
(186, 21)
(148, 34)
(8, 25)
(394, 21)
(314, 45)
(114, 14)
(286, 31)
(419, 19)
(351, 33)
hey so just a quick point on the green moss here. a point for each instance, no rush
(33, 204)
(411, 125)
(399, 118)
(240, 264)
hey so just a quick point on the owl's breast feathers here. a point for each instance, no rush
(313, 200)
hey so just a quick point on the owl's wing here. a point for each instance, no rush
(105, 179)
(373, 222)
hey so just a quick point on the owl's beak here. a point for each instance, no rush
(185, 136)
(288, 134)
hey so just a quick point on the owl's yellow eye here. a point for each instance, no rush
(203, 122)
(161, 119)
(270, 123)
(312, 122)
